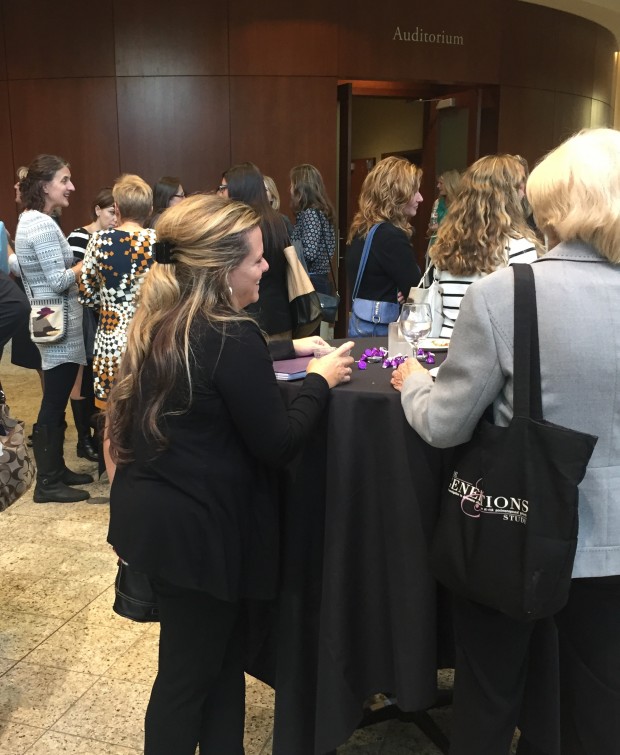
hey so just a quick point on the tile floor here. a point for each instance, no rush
(74, 677)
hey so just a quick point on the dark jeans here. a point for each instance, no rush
(57, 385)
(199, 694)
(494, 655)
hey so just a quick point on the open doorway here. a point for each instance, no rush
(437, 126)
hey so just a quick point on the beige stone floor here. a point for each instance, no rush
(74, 677)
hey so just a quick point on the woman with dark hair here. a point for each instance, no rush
(166, 193)
(194, 502)
(245, 183)
(104, 217)
(314, 224)
(48, 270)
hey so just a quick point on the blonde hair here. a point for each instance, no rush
(270, 186)
(208, 238)
(575, 191)
(486, 214)
(134, 198)
(385, 193)
(451, 183)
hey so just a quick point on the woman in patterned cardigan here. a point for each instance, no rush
(47, 268)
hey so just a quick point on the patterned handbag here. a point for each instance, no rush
(16, 467)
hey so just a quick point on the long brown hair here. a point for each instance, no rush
(308, 191)
(208, 238)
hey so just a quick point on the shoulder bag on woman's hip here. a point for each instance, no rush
(304, 304)
(507, 530)
(370, 317)
(49, 316)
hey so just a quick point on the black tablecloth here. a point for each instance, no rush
(357, 608)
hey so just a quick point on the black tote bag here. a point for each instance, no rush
(507, 530)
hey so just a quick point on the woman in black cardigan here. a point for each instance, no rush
(198, 429)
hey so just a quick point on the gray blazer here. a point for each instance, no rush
(578, 300)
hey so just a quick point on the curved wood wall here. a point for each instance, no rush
(157, 88)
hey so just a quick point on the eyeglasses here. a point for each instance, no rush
(222, 187)
(179, 196)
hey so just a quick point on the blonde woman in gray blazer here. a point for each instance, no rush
(575, 195)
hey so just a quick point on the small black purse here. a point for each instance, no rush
(135, 598)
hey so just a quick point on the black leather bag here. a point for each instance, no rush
(507, 530)
(135, 598)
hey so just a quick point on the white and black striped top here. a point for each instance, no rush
(454, 287)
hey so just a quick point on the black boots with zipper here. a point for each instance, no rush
(53, 477)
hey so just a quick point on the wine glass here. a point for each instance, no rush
(415, 323)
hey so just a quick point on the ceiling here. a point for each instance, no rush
(604, 12)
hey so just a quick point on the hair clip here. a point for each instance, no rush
(163, 252)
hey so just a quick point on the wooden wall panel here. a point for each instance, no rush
(279, 122)
(161, 38)
(571, 114)
(526, 122)
(280, 37)
(559, 54)
(601, 115)
(7, 205)
(603, 83)
(176, 126)
(74, 118)
(2, 45)
(370, 46)
(70, 38)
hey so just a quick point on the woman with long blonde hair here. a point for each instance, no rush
(448, 185)
(389, 198)
(484, 231)
(197, 428)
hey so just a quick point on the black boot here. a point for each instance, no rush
(51, 486)
(86, 446)
(69, 477)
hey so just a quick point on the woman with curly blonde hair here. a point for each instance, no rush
(389, 199)
(195, 499)
(484, 231)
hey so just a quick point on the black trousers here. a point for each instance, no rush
(505, 668)
(57, 385)
(199, 693)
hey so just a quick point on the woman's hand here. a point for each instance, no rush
(403, 371)
(334, 367)
(306, 346)
(77, 269)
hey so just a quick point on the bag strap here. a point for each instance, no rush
(422, 281)
(527, 399)
(364, 260)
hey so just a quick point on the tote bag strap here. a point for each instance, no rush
(364, 260)
(527, 397)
